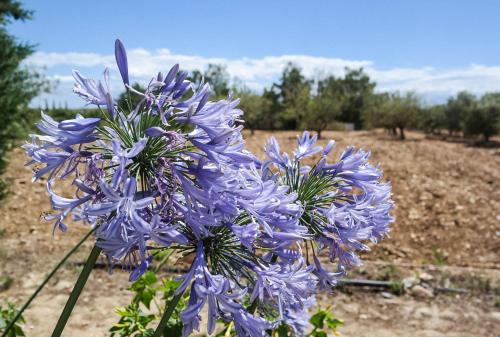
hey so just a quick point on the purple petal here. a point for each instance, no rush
(137, 148)
(154, 131)
(171, 74)
(121, 60)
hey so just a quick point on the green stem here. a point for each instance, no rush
(166, 315)
(42, 285)
(80, 283)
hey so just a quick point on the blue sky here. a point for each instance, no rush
(433, 47)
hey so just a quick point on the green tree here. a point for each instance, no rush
(216, 75)
(398, 111)
(357, 90)
(18, 84)
(271, 109)
(457, 108)
(254, 107)
(294, 93)
(324, 107)
(373, 111)
(432, 119)
(483, 118)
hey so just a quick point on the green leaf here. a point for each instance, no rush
(317, 320)
(333, 322)
(320, 333)
(7, 314)
(283, 331)
(145, 288)
(173, 328)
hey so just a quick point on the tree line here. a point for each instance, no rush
(296, 102)
(18, 84)
(321, 103)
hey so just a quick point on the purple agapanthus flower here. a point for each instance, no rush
(172, 172)
(345, 203)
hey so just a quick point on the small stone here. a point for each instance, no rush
(495, 315)
(363, 316)
(386, 294)
(426, 277)
(414, 214)
(409, 282)
(64, 285)
(420, 292)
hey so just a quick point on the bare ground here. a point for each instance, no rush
(448, 226)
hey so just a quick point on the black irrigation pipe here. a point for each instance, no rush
(344, 282)
(391, 284)
(366, 283)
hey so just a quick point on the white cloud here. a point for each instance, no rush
(260, 72)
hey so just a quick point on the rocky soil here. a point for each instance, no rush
(447, 234)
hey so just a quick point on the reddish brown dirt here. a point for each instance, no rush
(447, 196)
(448, 213)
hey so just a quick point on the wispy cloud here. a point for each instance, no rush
(257, 73)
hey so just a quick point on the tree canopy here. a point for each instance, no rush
(18, 84)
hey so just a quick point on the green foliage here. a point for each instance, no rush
(271, 116)
(3, 185)
(18, 84)
(133, 322)
(396, 111)
(136, 317)
(298, 102)
(432, 119)
(294, 93)
(127, 97)
(5, 281)
(439, 258)
(254, 107)
(457, 109)
(484, 117)
(482, 121)
(357, 90)
(389, 272)
(145, 289)
(11, 9)
(397, 287)
(325, 106)
(323, 321)
(465, 113)
(373, 110)
(7, 313)
(216, 75)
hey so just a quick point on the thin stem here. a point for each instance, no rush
(228, 331)
(47, 278)
(80, 283)
(166, 315)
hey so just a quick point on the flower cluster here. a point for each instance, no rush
(172, 172)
